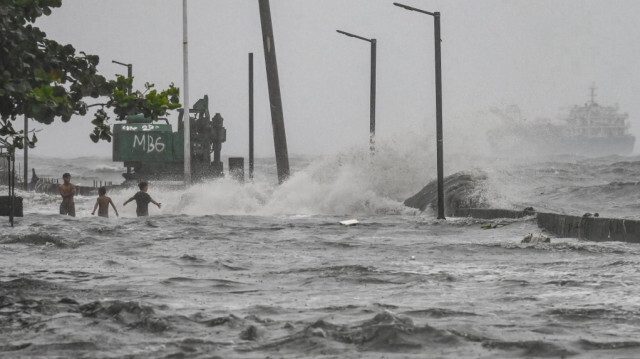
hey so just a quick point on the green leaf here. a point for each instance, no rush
(49, 81)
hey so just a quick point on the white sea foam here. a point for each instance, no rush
(353, 182)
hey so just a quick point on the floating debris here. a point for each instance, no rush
(535, 238)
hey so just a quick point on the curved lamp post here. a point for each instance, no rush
(129, 70)
(436, 18)
(372, 101)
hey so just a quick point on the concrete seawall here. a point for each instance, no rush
(591, 228)
(464, 197)
(588, 228)
(52, 189)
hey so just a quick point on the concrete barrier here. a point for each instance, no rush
(5, 205)
(52, 189)
(464, 197)
(591, 228)
(491, 213)
(588, 228)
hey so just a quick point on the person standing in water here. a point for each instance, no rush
(142, 200)
(102, 203)
(67, 191)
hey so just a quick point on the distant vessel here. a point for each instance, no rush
(588, 130)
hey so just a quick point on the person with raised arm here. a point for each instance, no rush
(142, 199)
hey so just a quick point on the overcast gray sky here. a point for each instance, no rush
(541, 55)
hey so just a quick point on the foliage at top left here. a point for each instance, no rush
(45, 80)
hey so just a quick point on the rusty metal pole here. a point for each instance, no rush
(275, 99)
(251, 116)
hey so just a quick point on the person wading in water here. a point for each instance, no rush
(67, 191)
(102, 203)
(142, 200)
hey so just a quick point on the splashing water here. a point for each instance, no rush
(257, 269)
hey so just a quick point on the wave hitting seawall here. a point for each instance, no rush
(464, 192)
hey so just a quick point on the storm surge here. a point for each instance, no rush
(354, 182)
(255, 269)
(350, 183)
(290, 286)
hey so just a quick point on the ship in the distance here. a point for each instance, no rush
(588, 130)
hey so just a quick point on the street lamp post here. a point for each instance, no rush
(436, 18)
(372, 100)
(185, 105)
(129, 70)
(26, 153)
(251, 116)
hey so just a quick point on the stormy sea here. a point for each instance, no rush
(227, 269)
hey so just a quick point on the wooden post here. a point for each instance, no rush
(275, 99)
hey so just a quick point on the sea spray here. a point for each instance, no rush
(353, 182)
(196, 280)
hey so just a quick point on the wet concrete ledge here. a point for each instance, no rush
(52, 189)
(5, 206)
(492, 213)
(589, 228)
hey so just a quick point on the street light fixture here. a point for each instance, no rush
(129, 70)
(372, 101)
(437, 39)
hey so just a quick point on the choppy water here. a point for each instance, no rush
(258, 270)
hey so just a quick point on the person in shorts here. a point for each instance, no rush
(102, 203)
(142, 199)
(67, 191)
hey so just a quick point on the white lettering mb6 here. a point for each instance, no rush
(148, 143)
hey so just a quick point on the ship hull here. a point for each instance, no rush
(528, 143)
(597, 146)
(591, 130)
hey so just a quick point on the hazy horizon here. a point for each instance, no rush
(542, 56)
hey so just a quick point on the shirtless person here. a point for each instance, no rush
(67, 191)
(102, 203)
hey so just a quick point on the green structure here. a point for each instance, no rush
(150, 149)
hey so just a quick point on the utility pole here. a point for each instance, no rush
(437, 40)
(275, 99)
(129, 72)
(251, 116)
(436, 24)
(372, 92)
(185, 105)
(26, 153)
(372, 99)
